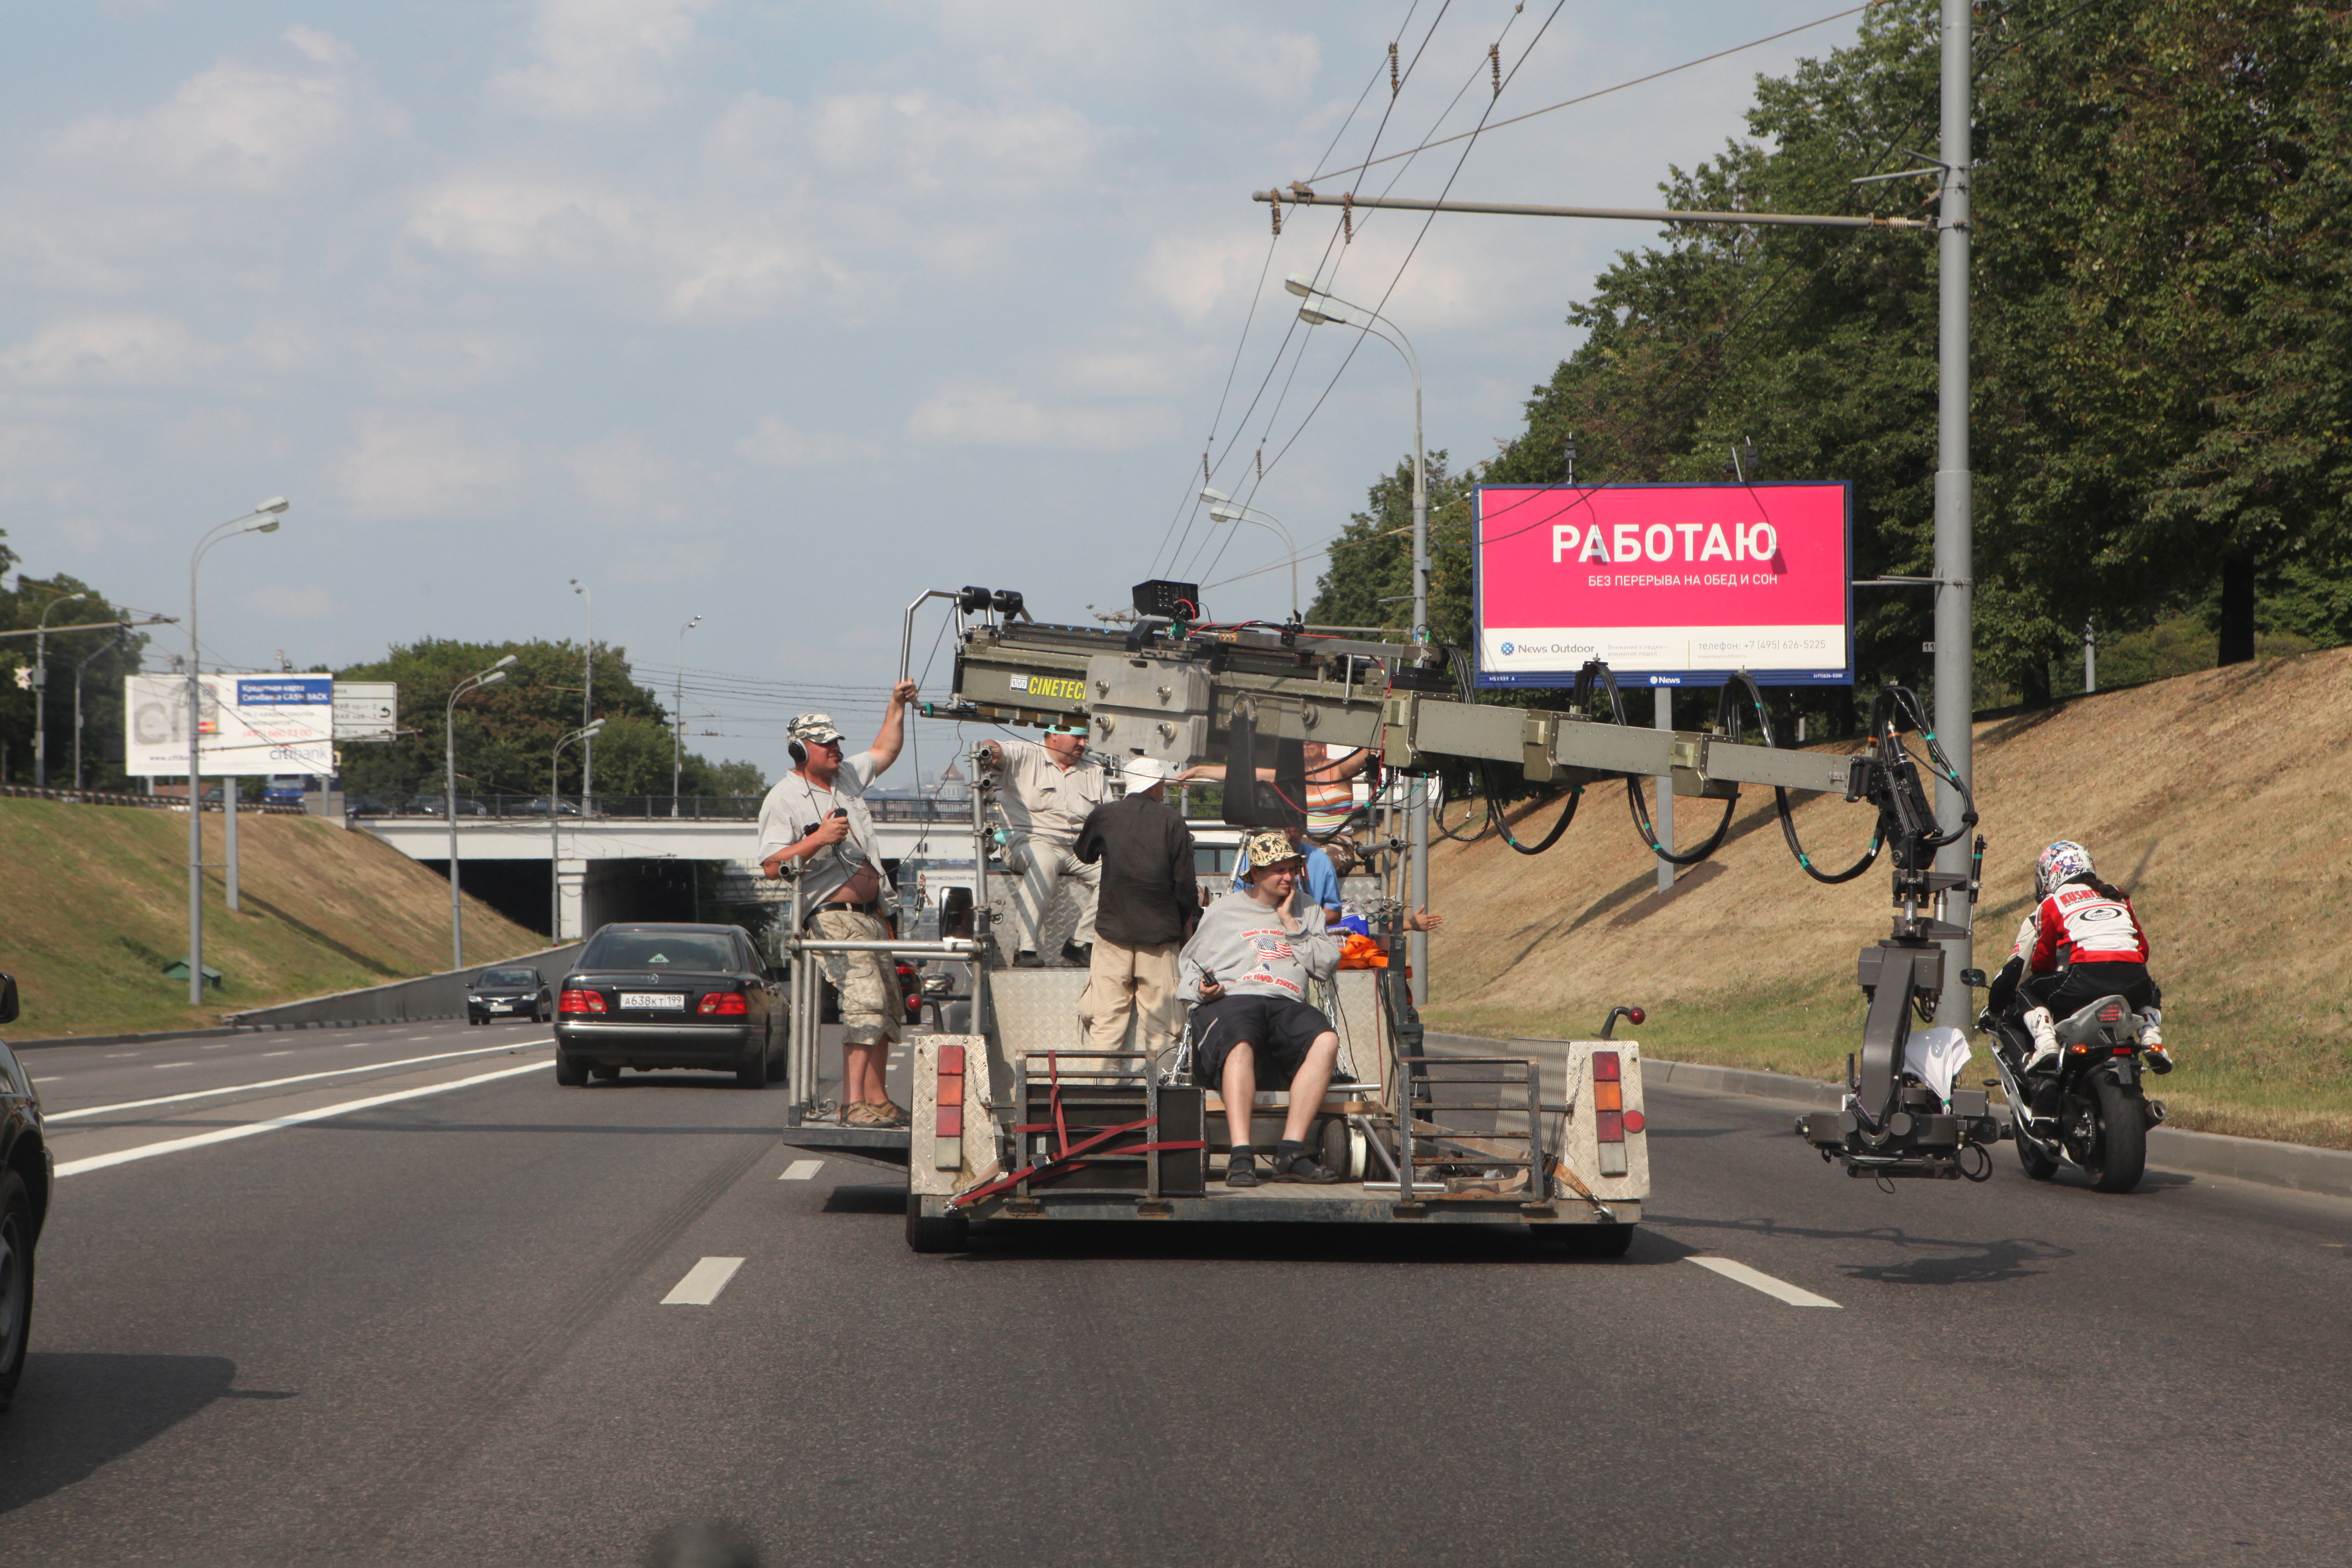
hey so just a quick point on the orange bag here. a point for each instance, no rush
(1362, 952)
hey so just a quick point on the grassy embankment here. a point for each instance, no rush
(2220, 800)
(94, 903)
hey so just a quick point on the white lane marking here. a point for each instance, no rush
(798, 1171)
(702, 1283)
(48, 1080)
(281, 1083)
(249, 1129)
(221, 1047)
(1756, 1279)
(166, 1067)
(266, 1055)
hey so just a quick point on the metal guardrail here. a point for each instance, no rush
(629, 807)
(138, 802)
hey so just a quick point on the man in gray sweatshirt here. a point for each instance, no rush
(1249, 963)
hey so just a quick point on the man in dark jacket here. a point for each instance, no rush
(1148, 901)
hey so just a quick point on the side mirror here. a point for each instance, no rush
(1972, 977)
(8, 998)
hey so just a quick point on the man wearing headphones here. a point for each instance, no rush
(816, 816)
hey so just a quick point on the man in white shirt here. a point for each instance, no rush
(817, 817)
(1046, 791)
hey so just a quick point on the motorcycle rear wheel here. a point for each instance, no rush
(2120, 1157)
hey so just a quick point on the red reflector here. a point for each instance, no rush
(726, 1003)
(952, 1061)
(1609, 1126)
(1604, 1065)
(1635, 1121)
(580, 1002)
(2123, 1050)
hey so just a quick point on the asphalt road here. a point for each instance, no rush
(433, 1328)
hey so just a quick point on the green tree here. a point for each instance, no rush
(506, 733)
(109, 654)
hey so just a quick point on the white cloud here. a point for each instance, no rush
(775, 443)
(126, 350)
(978, 415)
(324, 48)
(238, 127)
(605, 61)
(428, 466)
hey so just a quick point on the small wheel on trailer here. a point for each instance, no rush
(1335, 1149)
(1594, 1240)
(571, 1072)
(935, 1233)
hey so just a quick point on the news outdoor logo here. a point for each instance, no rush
(1670, 584)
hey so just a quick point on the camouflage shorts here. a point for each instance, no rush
(870, 1003)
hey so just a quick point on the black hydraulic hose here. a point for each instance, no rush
(1595, 669)
(1494, 814)
(1781, 803)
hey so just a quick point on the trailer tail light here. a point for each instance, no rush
(723, 1004)
(1609, 1112)
(946, 1150)
(580, 1002)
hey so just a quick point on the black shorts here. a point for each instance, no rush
(1277, 1029)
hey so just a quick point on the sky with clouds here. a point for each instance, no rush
(773, 313)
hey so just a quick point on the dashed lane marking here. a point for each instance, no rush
(702, 1283)
(1756, 1279)
(266, 1054)
(281, 1083)
(801, 1171)
(250, 1129)
(166, 1067)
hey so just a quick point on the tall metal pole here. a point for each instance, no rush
(1417, 944)
(587, 691)
(1664, 823)
(195, 799)
(228, 840)
(677, 718)
(41, 691)
(1955, 526)
(490, 676)
(584, 734)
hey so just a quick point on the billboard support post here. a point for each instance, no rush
(1664, 817)
(228, 833)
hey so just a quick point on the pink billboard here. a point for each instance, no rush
(1668, 585)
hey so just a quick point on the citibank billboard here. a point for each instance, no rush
(1669, 584)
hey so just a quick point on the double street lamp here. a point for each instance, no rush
(1325, 309)
(584, 734)
(474, 682)
(1222, 507)
(262, 518)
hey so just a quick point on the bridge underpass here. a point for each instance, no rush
(606, 870)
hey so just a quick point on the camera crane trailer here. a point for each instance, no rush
(1020, 1120)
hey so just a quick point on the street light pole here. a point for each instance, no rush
(587, 692)
(41, 691)
(1955, 521)
(584, 734)
(79, 668)
(677, 718)
(262, 518)
(490, 676)
(1323, 308)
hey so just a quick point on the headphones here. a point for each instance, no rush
(799, 751)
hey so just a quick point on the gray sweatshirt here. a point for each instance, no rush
(1242, 944)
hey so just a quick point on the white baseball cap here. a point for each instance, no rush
(1142, 773)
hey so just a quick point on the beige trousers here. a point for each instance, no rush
(1133, 980)
(870, 1003)
(1041, 863)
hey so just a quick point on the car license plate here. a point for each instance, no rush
(654, 1001)
(500, 1006)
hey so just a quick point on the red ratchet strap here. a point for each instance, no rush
(1068, 1156)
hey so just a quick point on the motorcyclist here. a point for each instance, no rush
(2080, 942)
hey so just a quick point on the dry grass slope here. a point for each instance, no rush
(2221, 800)
(94, 903)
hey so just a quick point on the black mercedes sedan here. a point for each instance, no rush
(649, 996)
(509, 993)
(26, 1175)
